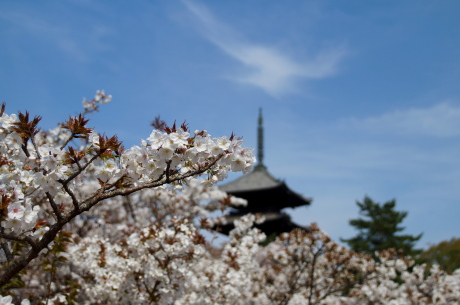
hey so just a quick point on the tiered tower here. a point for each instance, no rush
(265, 194)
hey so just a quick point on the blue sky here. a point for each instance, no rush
(359, 97)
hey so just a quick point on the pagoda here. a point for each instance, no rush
(266, 196)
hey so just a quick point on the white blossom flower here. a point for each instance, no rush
(223, 142)
(13, 140)
(201, 143)
(31, 214)
(156, 139)
(13, 224)
(179, 137)
(6, 300)
(27, 177)
(16, 210)
(93, 138)
(8, 120)
(165, 153)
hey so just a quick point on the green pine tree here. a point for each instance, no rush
(378, 229)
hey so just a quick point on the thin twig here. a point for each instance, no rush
(24, 239)
(54, 206)
(7, 251)
(36, 148)
(67, 141)
(72, 195)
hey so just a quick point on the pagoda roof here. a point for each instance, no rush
(274, 223)
(258, 179)
(260, 184)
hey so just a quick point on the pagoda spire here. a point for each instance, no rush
(260, 141)
(265, 195)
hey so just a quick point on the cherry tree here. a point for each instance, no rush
(85, 221)
(51, 178)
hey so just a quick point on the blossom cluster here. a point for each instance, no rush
(173, 263)
(50, 178)
(30, 170)
(100, 224)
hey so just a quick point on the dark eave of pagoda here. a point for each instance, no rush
(264, 192)
(275, 223)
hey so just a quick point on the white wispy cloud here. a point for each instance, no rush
(440, 120)
(267, 67)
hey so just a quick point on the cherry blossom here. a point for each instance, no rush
(85, 221)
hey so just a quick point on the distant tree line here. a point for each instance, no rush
(379, 228)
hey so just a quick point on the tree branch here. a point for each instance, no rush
(16, 266)
(54, 206)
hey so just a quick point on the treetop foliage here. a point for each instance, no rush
(446, 254)
(379, 227)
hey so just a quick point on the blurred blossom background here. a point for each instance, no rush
(359, 97)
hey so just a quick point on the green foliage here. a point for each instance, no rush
(378, 229)
(446, 254)
(15, 283)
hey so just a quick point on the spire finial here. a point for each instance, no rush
(260, 141)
